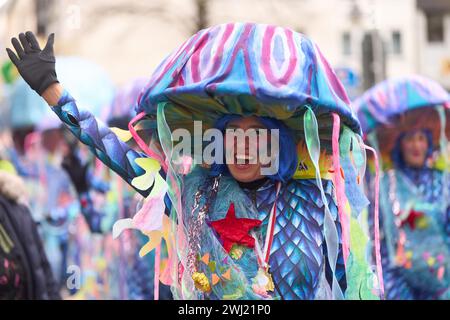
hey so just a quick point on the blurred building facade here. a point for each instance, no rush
(365, 40)
(434, 39)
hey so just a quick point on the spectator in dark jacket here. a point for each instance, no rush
(24, 269)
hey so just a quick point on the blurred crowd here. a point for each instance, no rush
(72, 198)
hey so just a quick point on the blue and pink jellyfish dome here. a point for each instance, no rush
(246, 69)
(397, 105)
(391, 98)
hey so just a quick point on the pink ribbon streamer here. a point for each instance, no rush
(157, 272)
(166, 276)
(141, 142)
(376, 220)
(157, 157)
(340, 192)
(121, 206)
(98, 167)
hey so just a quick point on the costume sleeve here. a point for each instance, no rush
(105, 145)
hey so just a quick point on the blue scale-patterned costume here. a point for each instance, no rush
(298, 252)
(298, 260)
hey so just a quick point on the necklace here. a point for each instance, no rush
(263, 282)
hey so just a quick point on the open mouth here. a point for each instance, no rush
(244, 157)
(244, 161)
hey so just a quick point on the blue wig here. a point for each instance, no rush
(288, 158)
(396, 153)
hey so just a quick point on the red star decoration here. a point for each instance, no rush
(232, 230)
(412, 217)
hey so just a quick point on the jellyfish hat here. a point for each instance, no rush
(260, 70)
(402, 104)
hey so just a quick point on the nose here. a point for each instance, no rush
(418, 146)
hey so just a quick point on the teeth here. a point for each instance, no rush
(244, 157)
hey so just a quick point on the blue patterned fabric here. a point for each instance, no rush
(298, 260)
(298, 251)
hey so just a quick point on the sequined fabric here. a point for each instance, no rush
(414, 273)
(298, 254)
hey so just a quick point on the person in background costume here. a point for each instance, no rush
(25, 273)
(407, 121)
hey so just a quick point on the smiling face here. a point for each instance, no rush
(245, 166)
(414, 147)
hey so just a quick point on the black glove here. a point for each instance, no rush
(36, 66)
(77, 172)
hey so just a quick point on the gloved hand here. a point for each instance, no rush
(36, 66)
(77, 172)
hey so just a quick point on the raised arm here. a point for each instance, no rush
(37, 67)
